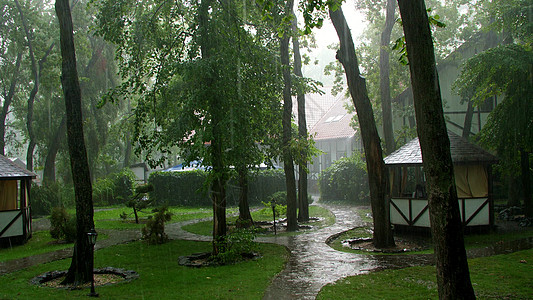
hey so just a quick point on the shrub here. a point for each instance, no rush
(187, 188)
(44, 198)
(103, 191)
(346, 180)
(154, 231)
(115, 188)
(62, 225)
(235, 246)
(124, 185)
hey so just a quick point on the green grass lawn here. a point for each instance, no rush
(265, 214)
(40, 242)
(160, 275)
(507, 276)
(109, 217)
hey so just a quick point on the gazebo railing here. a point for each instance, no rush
(415, 211)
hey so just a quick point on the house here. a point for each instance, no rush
(473, 179)
(461, 118)
(141, 172)
(334, 137)
(15, 214)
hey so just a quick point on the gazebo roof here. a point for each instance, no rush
(461, 150)
(10, 170)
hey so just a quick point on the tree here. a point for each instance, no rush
(451, 262)
(505, 70)
(303, 203)
(288, 164)
(81, 268)
(384, 78)
(204, 87)
(377, 174)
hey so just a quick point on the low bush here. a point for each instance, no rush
(346, 181)
(115, 188)
(62, 225)
(44, 198)
(154, 231)
(235, 246)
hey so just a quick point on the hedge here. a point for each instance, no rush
(346, 181)
(188, 188)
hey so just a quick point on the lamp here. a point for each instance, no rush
(92, 235)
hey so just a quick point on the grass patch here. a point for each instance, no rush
(511, 272)
(160, 275)
(109, 217)
(472, 241)
(40, 242)
(265, 214)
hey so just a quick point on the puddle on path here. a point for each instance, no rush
(313, 264)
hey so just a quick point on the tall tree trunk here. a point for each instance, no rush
(453, 276)
(384, 78)
(377, 174)
(49, 172)
(526, 183)
(245, 218)
(218, 186)
(127, 143)
(513, 191)
(33, 93)
(288, 164)
(7, 102)
(303, 203)
(468, 120)
(81, 267)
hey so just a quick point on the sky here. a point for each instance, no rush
(326, 36)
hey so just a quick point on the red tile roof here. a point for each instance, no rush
(335, 123)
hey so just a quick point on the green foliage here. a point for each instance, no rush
(512, 17)
(62, 225)
(278, 201)
(139, 200)
(503, 70)
(236, 246)
(115, 188)
(188, 188)
(345, 180)
(399, 44)
(44, 198)
(154, 231)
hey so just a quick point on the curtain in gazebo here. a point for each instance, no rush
(471, 181)
(8, 195)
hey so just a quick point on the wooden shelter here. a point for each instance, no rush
(472, 169)
(15, 216)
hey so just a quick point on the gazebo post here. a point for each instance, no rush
(490, 196)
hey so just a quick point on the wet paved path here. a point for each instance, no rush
(312, 263)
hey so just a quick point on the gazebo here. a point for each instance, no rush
(15, 216)
(472, 169)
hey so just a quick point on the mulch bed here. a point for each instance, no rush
(104, 276)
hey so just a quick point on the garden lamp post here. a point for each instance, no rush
(91, 236)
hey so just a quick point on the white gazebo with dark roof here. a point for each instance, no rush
(472, 170)
(15, 217)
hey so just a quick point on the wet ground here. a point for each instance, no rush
(311, 264)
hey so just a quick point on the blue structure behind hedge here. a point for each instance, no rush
(188, 188)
